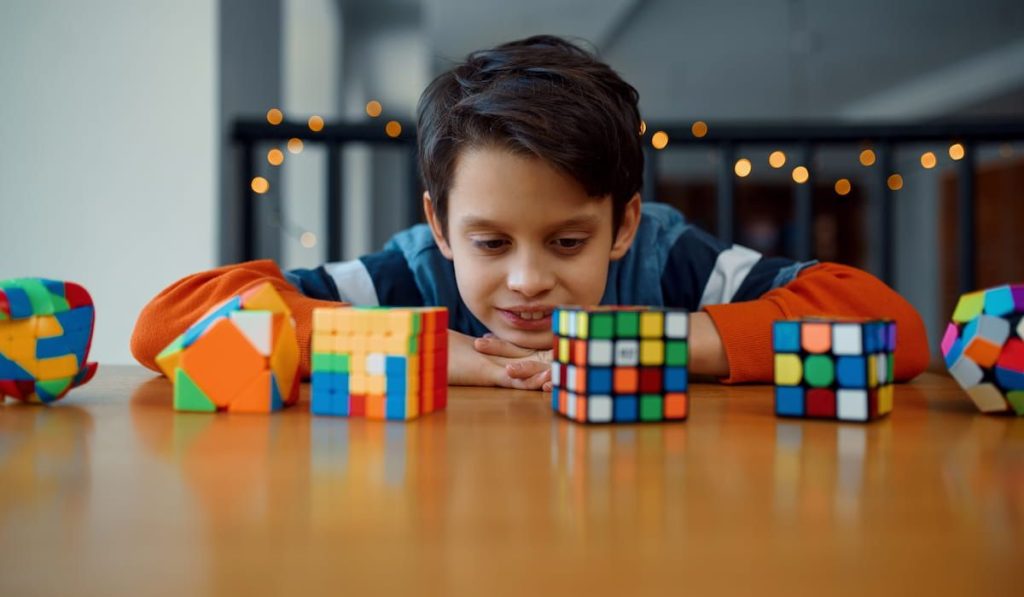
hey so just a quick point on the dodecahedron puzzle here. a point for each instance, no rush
(834, 369)
(984, 348)
(45, 334)
(242, 356)
(620, 364)
(380, 362)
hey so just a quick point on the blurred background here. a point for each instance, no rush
(142, 141)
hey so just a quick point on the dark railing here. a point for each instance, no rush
(724, 138)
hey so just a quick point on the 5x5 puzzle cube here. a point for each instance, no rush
(45, 334)
(380, 362)
(834, 369)
(620, 364)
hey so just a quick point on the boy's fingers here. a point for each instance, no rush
(525, 369)
(534, 382)
(497, 347)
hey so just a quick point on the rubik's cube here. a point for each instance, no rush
(834, 369)
(45, 334)
(984, 348)
(380, 363)
(242, 356)
(620, 364)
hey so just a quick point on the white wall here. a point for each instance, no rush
(107, 149)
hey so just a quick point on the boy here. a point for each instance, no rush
(532, 160)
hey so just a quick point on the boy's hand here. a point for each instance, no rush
(525, 363)
(469, 366)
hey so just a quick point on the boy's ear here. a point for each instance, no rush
(627, 228)
(435, 226)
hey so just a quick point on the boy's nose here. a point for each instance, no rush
(529, 276)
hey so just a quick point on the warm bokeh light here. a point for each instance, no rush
(928, 160)
(275, 157)
(1006, 150)
(275, 116)
(800, 174)
(659, 140)
(742, 167)
(643, 127)
(956, 151)
(316, 124)
(295, 145)
(867, 157)
(895, 182)
(308, 240)
(699, 129)
(393, 128)
(777, 159)
(843, 187)
(260, 185)
(373, 108)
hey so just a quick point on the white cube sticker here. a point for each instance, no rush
(852, 405)
(599, 353)
(627, 353)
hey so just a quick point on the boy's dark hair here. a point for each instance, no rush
(540, 96)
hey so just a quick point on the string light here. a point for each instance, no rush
(373, 108)
(259, 185)
(295, 145)
(316, 124)
(800, 175)
(956, 151)
(928, 160)
(867, 157)
(895, 182)
(659, 140)
(393, 129)
(843, 187)
(275, 157)
(275, 116)
(308, 240)
(777, 159)
(699, 129)
(643, 127)
(742, 167)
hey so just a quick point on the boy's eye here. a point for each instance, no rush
(569, 243)
(490, 244)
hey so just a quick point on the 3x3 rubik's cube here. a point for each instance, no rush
(984, 348)
(834, 369)
(242, 356)
(620, 364)
(379, 363)
(45, 333)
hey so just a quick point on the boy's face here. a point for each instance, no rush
(524, 238)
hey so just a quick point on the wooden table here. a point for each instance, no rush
(111, 492)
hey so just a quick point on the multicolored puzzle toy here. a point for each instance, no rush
(984, 348)
(620, 364)
(380, 363)
(45, 334)
(834, 369)
(242, 356)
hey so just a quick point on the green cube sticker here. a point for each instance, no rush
(627, 324)
(651, 407)
(602, 325)
(675, 353)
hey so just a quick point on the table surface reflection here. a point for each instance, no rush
(111, 492)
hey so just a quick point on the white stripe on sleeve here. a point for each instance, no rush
(731, 269)
(354, 282)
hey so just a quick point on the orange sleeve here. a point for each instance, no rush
(179, 305)
(827, 290)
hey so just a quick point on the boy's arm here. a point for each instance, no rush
(829, 290)
(171, 312)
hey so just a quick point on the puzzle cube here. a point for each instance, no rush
(380, 362)
(620, 364)
(834, 369)
(241, 356)
(984, 348)
(45, 334)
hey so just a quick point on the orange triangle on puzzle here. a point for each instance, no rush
(264, 298)
(284, 361)
(255, 397)
(222, 362)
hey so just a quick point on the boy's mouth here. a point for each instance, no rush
(527, 318)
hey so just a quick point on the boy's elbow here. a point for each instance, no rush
(912, 353)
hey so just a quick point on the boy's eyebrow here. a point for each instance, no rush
(582, 221)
